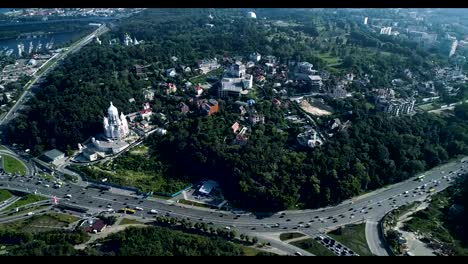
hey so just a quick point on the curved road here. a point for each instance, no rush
(369, 206)
(29, 168)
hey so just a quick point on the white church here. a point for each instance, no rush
(115, 126)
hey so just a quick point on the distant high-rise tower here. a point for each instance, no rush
(453, 48)
(365, 20)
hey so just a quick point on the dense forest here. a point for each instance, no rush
(147, 241)
(159, 241)
(374, 152)
(50, 243)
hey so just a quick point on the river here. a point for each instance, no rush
(36, 41)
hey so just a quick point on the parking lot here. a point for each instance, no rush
(334, 246)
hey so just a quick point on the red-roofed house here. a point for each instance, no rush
(96, 226)
(235, 127)
(184, 108)
(276, 102)
(146, 112)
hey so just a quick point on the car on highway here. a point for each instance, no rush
(69, 196)
(153, 211)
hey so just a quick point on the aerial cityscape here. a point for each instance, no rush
(233, 132)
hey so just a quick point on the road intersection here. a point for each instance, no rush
(369, 207)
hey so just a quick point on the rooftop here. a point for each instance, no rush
(53, 154)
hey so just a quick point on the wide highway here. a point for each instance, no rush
(369, 206)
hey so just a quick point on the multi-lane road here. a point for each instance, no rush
(372, 206)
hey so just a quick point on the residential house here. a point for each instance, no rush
(276, 102)
(171, 88)
(339, 92)
(132, 116)
(94, 226)
(242, 110)
(171, 72)
(146, 112)
(260, 78)
(256, 57)
(198, 91)
(141, 70)
(148, 94)
(235, 127)
(255, 117)
(207, 65)
(184, 108)
(208, 107)
(242, 136)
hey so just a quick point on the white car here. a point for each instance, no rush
(139, 208)
(68, 196)
(406, 192)
(152, 211)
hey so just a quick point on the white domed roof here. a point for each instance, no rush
(112, 110)
(252, 15)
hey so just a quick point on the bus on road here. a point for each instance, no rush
(127, 211)
(420, 178)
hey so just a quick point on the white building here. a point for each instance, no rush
(386, 31)
(310, 138)
(235, 80)
(255, 57)
(128, 40)
(365, 20)
(251, 15)
(306, 72)
(171, 72)
(208, 65)
(115, 126)
(453, 48)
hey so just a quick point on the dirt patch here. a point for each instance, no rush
(313, 110)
